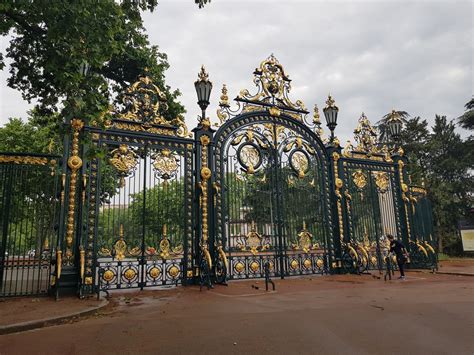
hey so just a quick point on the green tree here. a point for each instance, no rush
(414, 140)
(39, 134)
(449, 180)
(467, 119)
(53, 44)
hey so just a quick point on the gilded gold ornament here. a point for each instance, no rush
(360, 179)
(124, 160)
(254, 266)
(239, 267)
(381, 180)
(108, 275)
(154, 272)
(129, 274)
(165, 164)
(294, 264)
(304, 239)
(173, 271)
(20, 159)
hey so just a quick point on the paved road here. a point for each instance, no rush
(426, 314)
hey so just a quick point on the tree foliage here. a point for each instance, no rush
(467, 119)
(443, 161)
(53, 44)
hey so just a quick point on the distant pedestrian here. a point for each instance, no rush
(400, 252)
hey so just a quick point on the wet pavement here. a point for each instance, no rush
(336, 314)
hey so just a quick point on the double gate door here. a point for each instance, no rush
(271, 211)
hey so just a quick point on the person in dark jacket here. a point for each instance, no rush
(400, 252)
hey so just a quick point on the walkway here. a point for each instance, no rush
(339, 314)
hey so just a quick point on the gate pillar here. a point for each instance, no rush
(404, 197)
(337, 238)
(68, 257)
(204, 236)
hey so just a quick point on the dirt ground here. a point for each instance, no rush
(425, 314)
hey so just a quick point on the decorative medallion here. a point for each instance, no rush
(143, 107)
(108, 276)
(166, 164)
(360, 179)
(307, 264)
(249, 157)
(125, 161)
(173, 271)
(304, 240)
(253, 241)
(254, 266)
(299, 161)
(154, 273)
(130, 274)
(294, 264)
(381, 180)
(319, 263)
(239, 267)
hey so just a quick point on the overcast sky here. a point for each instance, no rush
(372, 56)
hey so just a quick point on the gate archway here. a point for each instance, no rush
(272, 202)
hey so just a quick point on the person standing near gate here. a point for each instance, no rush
(400, 252)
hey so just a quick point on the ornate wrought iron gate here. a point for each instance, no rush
(134, 197)
(272, 199)
(139, 210)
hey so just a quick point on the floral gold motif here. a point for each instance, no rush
(381, 180)
(253, 241)
(165, 164)
(360, 179)
(144, 104)
(294, 264)
(304, 240)
(254, 266)
(124, 160)
(154, 273)
(129, 274)
(108, 275)
(299, 162)
(239, 267)
(19, 159)
(365, 136)
(273, 87)
(173, 271)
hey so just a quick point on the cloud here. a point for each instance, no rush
(372, 56)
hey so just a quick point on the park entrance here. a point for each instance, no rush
(139, 201)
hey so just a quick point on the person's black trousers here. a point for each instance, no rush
(401, 263)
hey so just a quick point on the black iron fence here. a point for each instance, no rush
(28, 221)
